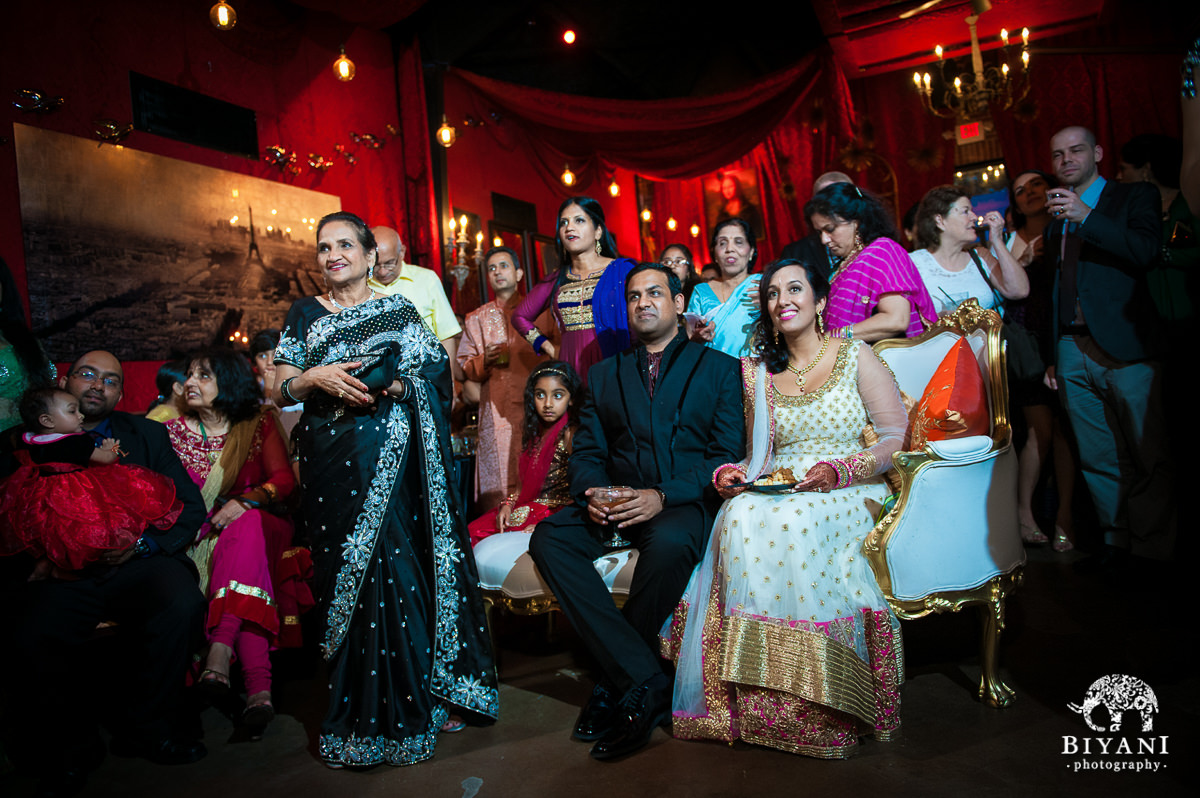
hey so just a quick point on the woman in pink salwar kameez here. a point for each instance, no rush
(875, 291)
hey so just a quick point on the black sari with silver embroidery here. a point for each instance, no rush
(405, 634)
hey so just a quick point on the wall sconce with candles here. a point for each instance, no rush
(110, 131)
(222, 16)
(31, 100)
(343, 67)
(972, 94)
(368, 140)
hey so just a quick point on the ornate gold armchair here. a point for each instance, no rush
(952, 538)
(509, 579)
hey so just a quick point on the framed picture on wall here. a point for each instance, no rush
(733, 193)
(543, 256)
(151, 257)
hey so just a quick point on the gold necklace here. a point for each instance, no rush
(801, 372)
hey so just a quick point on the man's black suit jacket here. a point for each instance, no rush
(147, 445)
(1120, 241)
(673, 442)
(809, 250)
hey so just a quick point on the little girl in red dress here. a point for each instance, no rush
(551, 400)
(69, 501)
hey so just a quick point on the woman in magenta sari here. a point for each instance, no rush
(875, 290)
(587, 293)
(233, 449)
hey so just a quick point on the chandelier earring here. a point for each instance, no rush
(598, 246)
(820, 324)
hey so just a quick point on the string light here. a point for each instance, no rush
(222, 16)
(343, 67)
(446, 134)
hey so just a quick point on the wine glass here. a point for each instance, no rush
(608, 498)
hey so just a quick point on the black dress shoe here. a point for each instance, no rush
(162, 752)
(642, 710)
(597, 716)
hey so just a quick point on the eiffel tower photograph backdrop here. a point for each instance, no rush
(152, 257)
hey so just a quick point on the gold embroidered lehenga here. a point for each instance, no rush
(783, 637)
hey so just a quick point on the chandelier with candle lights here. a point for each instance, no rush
(971, 95)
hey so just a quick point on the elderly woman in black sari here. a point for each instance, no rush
(404, 635)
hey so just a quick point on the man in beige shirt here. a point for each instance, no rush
(418, 285)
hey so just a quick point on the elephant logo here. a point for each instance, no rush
(1118, 693)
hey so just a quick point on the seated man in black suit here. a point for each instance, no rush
(150, 590)
(660, 417)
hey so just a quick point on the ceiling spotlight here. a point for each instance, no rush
(569, 36)
(446, 134)
(222, 16)
(343, 67)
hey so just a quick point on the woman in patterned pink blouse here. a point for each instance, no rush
(875, 291)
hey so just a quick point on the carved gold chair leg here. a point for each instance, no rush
(488, 611)
(992, 689)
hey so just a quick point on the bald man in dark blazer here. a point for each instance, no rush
(1103, 241)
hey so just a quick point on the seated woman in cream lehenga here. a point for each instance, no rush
(783, 637)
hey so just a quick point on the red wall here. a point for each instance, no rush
(277, 65)
(486, 159)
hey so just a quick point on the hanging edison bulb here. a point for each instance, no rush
(646, 215)
(694, 230)
(446, 134)
(343, 67)
(614, 190)
(671, 223)
(222, 16)
(567, 177)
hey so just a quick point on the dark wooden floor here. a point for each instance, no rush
(1064, 632)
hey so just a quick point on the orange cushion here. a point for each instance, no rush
(954, 404)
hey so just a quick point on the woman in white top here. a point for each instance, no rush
(953, 267)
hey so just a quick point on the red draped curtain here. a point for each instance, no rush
(783, 126)
(1118, 96)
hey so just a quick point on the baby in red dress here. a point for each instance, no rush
(71, 501)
